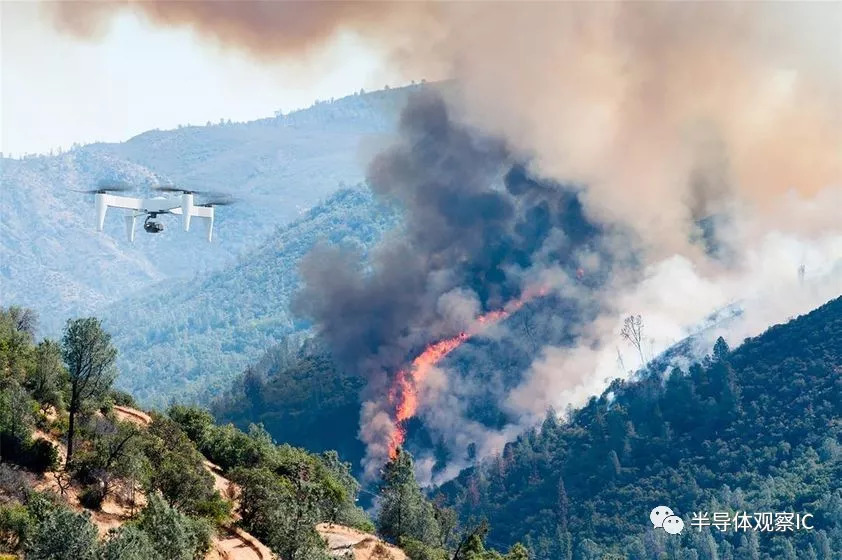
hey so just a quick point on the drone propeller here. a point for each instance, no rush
(172, 188)
(219, 202)
(108, 185)
(175, 189)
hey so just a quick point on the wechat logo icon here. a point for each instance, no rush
(663, 517)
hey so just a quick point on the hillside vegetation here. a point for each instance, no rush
(755, 429)
(300, 396)
(171, 507)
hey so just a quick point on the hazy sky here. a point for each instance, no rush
(57, 90)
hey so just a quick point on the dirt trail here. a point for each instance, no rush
(364, 546)
(132, 415)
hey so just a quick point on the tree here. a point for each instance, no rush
(24, 320)
(16, 352)
(116, 451)
(404, 512)
(632, 332)
(16, 411)
(47, 382)
(177, 469)
(823, 545)
(340, 504)
(282, 512)
(448, 523)
(175, 536)
(517, 552)
(196, 422)
(63, 535)
(472, 544)
(720, 350)
(89, 357)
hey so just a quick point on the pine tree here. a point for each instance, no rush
(823, 545)
(89, 356)
(563, 506)
(721, 350)
(404, 512)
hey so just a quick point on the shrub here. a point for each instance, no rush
(127, 543)
(176, 536)
(416, 550)
(122, 398)
(214, 509)
(13, 447)
(42, 422)
(63, 535)
(92, 496)
(60, 426)
(42, 504)
(106, 406)
(42, 456)
(353, 516)
(13, 483)
(15, 524)
(201, 533)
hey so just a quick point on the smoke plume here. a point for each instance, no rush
(479, 233)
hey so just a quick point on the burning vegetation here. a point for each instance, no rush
(403, 394)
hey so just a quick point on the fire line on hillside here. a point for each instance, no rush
(403, 395)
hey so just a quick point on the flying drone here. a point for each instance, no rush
(184, 204)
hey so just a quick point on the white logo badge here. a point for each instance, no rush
(664, 518)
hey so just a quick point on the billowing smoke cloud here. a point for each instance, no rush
(478, 231)
(265, 30)
(668, 112)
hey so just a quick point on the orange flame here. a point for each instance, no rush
(403, 395)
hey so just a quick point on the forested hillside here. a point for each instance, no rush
(185, 340)
(299, 396)
(278, 168)
(755, 429)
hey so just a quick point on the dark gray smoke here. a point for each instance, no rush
(478, 230)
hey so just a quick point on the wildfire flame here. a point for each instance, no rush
(403, 395)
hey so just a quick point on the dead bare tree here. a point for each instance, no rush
(621, 363)
(63, 480)
(632, 332)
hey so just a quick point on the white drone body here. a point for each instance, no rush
(151, 207)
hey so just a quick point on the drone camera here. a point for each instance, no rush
(151, 226)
